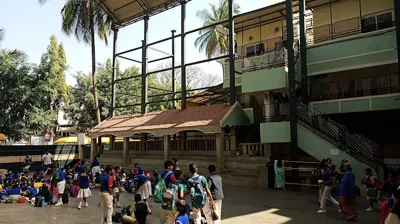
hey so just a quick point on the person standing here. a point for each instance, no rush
(327, 178)
(84, 191)
(215, 183)
(47, 160)
(106, 195)
(95, 165)
(194, 183)
(117, 185)
(142, 187)
(59, 178)
(369, 181)
(278, 174)
(347, 193)
(27, 162)
(168, 176)
(394, 215)
(176, 165)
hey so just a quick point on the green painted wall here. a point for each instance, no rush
(386, 103)
(250, 114)
(275, 132)
(263, 80)
(326, 108)
(237, 117)
(320, 149)
(361, 50)
(359, 105)
(354, 106)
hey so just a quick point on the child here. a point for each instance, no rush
(369, 181)
(106, 198)
(181, 207)
(15, 176)
(84, 191)
(117, 185)
(15, 192)
(8, 179)
(6, 190)
(139, 212)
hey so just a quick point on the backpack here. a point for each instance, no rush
(159, 189)
(169, 197)
(74, 191)
(117, 217)
(44, 191)
(197, 193)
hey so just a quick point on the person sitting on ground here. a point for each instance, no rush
(15, 191)
(8, 178)
(139, 212)
(15, 176)
(5, 192)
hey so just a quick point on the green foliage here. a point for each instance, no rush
(210, 40)
(31, 95)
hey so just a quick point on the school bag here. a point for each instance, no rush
(169, 197)
(44, 191)
(197, 192)
(74, 191)
(159, 189)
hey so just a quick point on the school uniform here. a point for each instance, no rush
(327, 176)
(206, 208)
(182, 219)
(215, 183)
(165, 215)
(106, 199)
(84, 191)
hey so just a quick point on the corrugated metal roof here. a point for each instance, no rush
(126, 12)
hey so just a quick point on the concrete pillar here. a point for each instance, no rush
(81, 149)
(219, 141)
(93, 148)
(112, 143)
(143, 141)
(167, 147)
(232, 139)
(182, 141)
(125, 154)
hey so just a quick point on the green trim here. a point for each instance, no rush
(236, 116)
(275, 132)
(264, 80)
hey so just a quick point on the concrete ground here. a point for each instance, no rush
(241, 205)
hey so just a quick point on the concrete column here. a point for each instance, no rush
(219, 141)
(112, 143)
(182, 140)
(233, 143)
(93, 148)
(125, 148)
(81, 148)
(167, 147)
(143, 140)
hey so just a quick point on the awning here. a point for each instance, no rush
(126, 12)
(207, 119)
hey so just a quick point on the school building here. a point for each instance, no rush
(318, 80)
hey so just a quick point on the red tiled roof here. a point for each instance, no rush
(163, 121)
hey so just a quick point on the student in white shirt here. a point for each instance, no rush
(47, 160)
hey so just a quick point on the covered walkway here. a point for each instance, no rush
(205, 128)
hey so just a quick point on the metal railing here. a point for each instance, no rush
(354, 144)
(255, 149)
(368, 23)
(275, 112)
(370, 86)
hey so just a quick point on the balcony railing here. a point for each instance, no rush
(370, 86)
(275, 112)
(368, 23)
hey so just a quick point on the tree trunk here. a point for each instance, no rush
(93, 42)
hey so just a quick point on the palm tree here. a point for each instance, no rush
(14, 55)
(210, 40)
(84, 19)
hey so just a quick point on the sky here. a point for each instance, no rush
(28, 27)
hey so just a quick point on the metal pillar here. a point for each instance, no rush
(397, 18)
(114, 73)
(183, 55)
(232, 86)
(303, 52)
(144, 66)
(292, 80)
(173, 69)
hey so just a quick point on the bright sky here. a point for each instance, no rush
(29, 26)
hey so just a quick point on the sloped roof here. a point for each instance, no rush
(207, 119)
(213, 95)
(126, 12)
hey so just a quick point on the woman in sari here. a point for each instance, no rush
(347, 199)
(278, 174)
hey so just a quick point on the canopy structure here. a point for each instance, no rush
(207, 119)
(70, 140)
(126, 12)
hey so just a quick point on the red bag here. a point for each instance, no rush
(74, 191)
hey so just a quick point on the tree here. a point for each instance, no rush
(84, 19)
(211, 41)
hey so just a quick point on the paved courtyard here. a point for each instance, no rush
(240, 206)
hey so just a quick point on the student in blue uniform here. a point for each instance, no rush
(181, 207)
(106, 195)
(84, 191)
